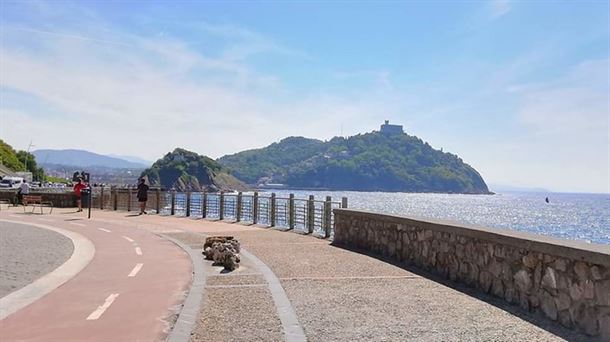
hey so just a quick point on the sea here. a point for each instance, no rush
(584, 217)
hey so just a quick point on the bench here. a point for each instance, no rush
(5, 201)
(36, 201)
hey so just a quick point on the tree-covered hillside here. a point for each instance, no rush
(272, 161)
(185, 170)
(370, 162)
(20, 161)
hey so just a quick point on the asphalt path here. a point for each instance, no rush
(131, 290)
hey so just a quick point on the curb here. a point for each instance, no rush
(83, 253)
(187, 318)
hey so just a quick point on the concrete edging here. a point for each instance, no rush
(83, 253)
(187, 318)
(293, 332)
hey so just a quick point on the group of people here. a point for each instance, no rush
(142, 194)
(81, 185)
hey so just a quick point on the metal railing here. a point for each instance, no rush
(309, 215)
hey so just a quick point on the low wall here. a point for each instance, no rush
(60, 200)
(565, 281)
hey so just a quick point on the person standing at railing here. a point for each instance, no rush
(78, 187)
(142, 195)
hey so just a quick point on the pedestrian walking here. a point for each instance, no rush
(78, 187)
(142, 195)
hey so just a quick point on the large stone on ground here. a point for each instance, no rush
(223, 250)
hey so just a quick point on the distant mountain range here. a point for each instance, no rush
(132, 159)
(84, 159)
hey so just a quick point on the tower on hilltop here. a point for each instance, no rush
(386, 128)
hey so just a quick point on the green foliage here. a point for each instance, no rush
(8, 157)
(56, 179)
(20, 161)
(370, 162)
(30, 161)
(186, 170)
(271, 161)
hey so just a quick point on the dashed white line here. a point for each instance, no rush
(135, 270)
(77, 224)
(101, 309)
(105, 230)
(127, 238)
(138, 251)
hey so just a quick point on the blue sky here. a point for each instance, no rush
(519, 90)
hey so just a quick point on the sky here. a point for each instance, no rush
(520, 90)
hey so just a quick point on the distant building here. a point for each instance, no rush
(386, 128)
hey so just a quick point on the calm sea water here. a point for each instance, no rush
(583, 217)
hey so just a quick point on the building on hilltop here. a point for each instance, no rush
(386, 128)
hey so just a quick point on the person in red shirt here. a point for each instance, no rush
(77, 189)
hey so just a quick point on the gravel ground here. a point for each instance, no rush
(340, 295)
(238, 314)
(27, 253)
(321, 260)
(236, 280)
(401, 309)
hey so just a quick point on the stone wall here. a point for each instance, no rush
(566, 281)
(60, 200)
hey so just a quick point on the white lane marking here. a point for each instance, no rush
(46, 220)
(135, 270)
(105, 230)
(100, 309)
(138, 251)
(78, 224)
(127, 238)
(13, 215)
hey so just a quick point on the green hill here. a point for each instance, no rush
(185, 170)
(365, 162)
(14, 161)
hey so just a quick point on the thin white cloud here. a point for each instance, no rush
(499, 8)
(157, 94)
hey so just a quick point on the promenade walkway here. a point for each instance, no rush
(289, 287)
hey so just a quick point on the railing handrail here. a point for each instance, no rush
(307, 214)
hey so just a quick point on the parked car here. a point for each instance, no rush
(11, 182)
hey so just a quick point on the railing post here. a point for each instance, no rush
(221, 210)
(291, 211)
(238, 211)
(129, 199)
(310, 214)
(344, 202)
(158, 204)
(255, 208)
(102, 199)
(272, 214)
(115, 202)
(173, 201)
(188, 204)
(327, 216)
(204, 204)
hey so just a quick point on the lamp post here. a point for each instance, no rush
(27, 154)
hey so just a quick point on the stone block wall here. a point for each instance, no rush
(566, 281)
(60, 200)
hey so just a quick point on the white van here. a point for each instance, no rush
(11, 182)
